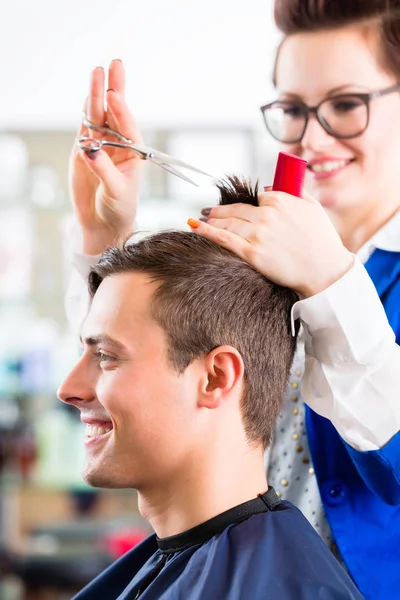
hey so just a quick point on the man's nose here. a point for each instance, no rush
(77, 386)
(315, 137)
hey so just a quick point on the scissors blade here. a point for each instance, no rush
(146, 153)
(170, 160)
(106, 130)
(171, 169)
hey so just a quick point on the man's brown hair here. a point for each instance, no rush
(380, 17)
(208, 297)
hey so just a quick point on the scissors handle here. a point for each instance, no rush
(92, 145)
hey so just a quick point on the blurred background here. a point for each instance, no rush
(197, 74)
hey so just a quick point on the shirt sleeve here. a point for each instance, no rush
(77, 300)
(352, 364)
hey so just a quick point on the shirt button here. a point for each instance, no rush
(334, 492)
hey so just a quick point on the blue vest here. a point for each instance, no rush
(360, 491)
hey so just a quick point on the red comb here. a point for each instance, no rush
(289, 174)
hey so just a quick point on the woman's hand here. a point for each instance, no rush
(104, 188)
(290, 240)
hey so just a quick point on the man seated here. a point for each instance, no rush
(187, 351)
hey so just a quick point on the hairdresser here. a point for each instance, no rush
(337, 457)
(337, 105)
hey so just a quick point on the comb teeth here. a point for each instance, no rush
(289, 176)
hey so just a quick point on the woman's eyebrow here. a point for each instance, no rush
(332, 91)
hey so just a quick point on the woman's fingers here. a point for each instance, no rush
(246, 212)
(121, 118)
(222, 237)
(95, 105)
(116, 76)
(206, 211)
(116, 85)
(271, 198)
(309, 198)
(239, 227)
(118, 115)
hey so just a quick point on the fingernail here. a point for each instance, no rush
(206, 211)
(117, 60)
(267, 188)
(111, 90)
(203, 219)
(193, 223)
(92, 155)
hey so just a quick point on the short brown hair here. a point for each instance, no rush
(380, 16)
(209, 297)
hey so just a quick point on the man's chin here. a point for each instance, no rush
(98, 479)
(102, 477)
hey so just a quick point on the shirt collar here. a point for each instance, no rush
(387, 238)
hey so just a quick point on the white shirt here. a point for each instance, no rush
(352, 362)
(330, 368)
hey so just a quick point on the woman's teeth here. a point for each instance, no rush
(326, 167)
(95, 430)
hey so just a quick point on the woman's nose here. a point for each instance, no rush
(315, 137)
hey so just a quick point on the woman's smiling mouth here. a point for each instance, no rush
(325, 168)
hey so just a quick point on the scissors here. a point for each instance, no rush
(91, 146)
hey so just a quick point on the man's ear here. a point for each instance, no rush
(224, 374)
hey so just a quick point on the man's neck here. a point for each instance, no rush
(207, 490)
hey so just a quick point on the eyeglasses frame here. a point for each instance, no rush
(365, 97)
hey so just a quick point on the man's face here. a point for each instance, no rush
(139, 412)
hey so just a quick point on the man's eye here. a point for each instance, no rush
(103, 357)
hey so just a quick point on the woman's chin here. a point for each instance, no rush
(335, 193)
(331, 197)
(337, 202)
(328, 201)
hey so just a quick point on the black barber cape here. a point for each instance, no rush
(262, 549)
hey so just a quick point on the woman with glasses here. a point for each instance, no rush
(337, 76)
(337, 79)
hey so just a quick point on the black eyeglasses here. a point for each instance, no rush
(343, 116)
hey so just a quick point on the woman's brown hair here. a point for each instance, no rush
(379, 16)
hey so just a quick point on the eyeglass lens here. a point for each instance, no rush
(343, 116)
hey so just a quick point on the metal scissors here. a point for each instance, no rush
(91, 146)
